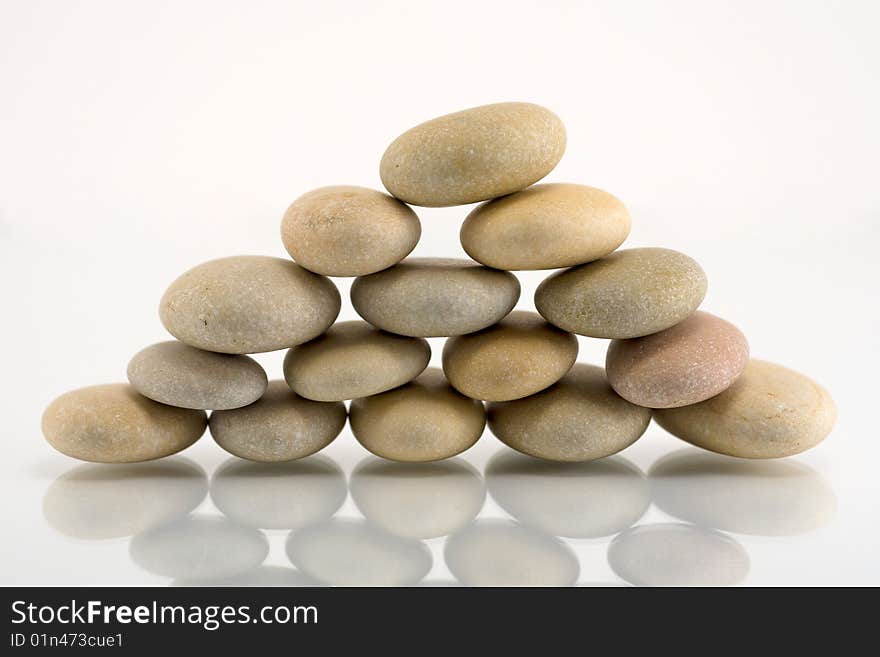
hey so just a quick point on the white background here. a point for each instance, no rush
(138, 139)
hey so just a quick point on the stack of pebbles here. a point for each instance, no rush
(688, 369)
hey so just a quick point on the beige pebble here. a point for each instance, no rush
(685, 364)
(473, 155)
(580, 418)
(546, 227)
(113, 423)
(770, 411)
(519, 356)
(179, 375)
(627, 294)
(424, 420)
(354, 359)
(349, 231)
(435, 297)
(248, 304)
(281, 426)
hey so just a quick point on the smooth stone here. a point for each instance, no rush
(418, 500)
(113, 423)
(675, 554)
(760, 498)
(435, 297)
(424, 420)
(354, 359)
(349, 231)
(271, 576)
(100, 501)
(685, 364)
(176, 374)
(288, 495)
(248, 304)
(627, 294)
(504, 553)
(769, 412)
(517, 357)
(473, 155)
(347, 552)
(575, 500)
(547, 226)
(281, 426)
(580, 418)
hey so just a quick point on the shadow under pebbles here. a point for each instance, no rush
(277, 576)
(98, 501)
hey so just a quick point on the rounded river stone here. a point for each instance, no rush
(519, 356)
(179, 375)
(627, 294)
(770, 411)
(349, 231)
(248, 304)
(281, 426)
(435, 297)
(113, 423)
(580, 418)
(354, 359)
(424, 420)
(546, 227)
(473, 155)
(685, 364)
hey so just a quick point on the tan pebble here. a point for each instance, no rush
(546, 227)
(248, 304)
(281, 426)
(580, 418)
(424, 420)
(113, 423)
(435, 297)
(354, 359)
(349, 231)
(519, 356)
(473, 155)
(685, 364)
(769, 412)
(627, 294)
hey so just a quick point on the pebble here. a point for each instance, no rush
(248, 304)
(580, 418)
(113, 423)
(435, 297)
(176, 374)
(354, 359)
(769, 412)
(281, 426)
(519, 356)
(473, 155)
(685, 364)
(424, 420)
(349, 231)
(547, 226)
(627, 294)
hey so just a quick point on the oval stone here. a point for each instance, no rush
(281, 426)
(546, 227)
(179, 375)
(627, 294)
(248, 304)
(354, 359)
(349, 231)
(424, 420)
(685, 364)
(113, 423)
(519, 356)
(580, 418)
(435, 297)
(769, 412)
(473, 155)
